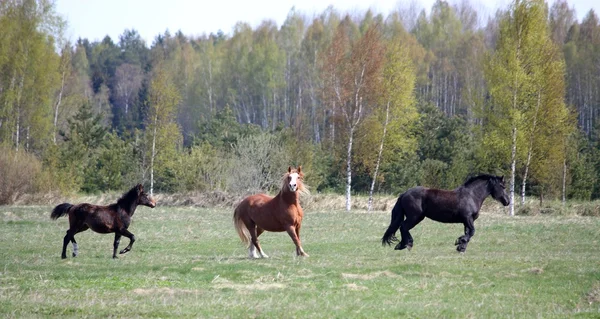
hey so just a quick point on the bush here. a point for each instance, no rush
(19, 172)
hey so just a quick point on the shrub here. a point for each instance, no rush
(18, 171)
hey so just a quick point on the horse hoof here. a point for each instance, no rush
(400, 247)
(115, 257)
(74, 255)
(63, 257)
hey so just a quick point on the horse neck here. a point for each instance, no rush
(288, 197)
(480, 190)
(128, 206)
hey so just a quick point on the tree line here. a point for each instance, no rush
(367, 103)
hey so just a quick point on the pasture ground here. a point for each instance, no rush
(189, 262)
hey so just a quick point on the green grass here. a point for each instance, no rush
(189, 262)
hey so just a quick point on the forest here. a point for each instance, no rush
(366, 103)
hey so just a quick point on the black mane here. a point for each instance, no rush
(478, 177)
(128, 198)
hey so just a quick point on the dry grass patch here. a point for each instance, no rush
(594, 295)
(373, 275)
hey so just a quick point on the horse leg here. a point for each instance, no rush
(296, 239)
(255, 231)
(131, 237)
(260, 251)
(75, 246)
(405, 227)
(463, 240)
(116, 244)
(68, 237)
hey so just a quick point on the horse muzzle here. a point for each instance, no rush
(152, 203)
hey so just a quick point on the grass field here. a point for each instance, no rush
(189, 262)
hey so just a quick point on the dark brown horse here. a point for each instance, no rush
(461, 205)
(114, 218)
(260, 212)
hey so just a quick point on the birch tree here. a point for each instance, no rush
(161, 129)
(353, 70)
(395, 108)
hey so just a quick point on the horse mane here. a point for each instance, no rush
(478, 177)
(128, 197)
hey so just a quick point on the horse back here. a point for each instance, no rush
(269, 213)
(101, 219)
(436, 204)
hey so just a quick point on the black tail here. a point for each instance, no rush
(60, 210)
(397, 218)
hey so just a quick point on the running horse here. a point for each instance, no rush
(461, 205)
(114, 218)
(260, 212)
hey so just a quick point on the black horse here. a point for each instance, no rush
(114, 218)
(461, 205)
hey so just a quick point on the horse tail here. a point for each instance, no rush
(240, 227)
(397, 218)
(60, 210)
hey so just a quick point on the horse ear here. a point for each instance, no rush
(140, 188)
(502, 178)
(289, 169)
(299, 169)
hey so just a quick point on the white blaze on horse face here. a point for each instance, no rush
(293, 182)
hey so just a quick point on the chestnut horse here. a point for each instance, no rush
(260, 212)
(113, 218)
(461, 205)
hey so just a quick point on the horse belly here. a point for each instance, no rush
(444, 216)
(274, 222)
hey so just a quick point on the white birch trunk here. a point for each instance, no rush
(153, 154)
(530, 148)
(564, 181)
(513, 164)
(57, 106)
(371, 190)
(349, 171)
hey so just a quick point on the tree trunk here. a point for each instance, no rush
(564, 181)
(530, 147)
(513, 165)
(57, 107)
(153, 154)
(349, 171)
(387, 116)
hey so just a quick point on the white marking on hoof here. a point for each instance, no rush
(75, 250)
(252, 252)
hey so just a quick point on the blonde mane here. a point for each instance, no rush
(302, 189)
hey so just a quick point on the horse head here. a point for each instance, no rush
(498, 190)
(293, 179)
(143, 197)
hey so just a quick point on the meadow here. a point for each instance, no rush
(189, 262)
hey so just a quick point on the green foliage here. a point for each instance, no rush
(204, 168)
(259, 162)
(180, 107)
(445, 148)
(113, 168)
